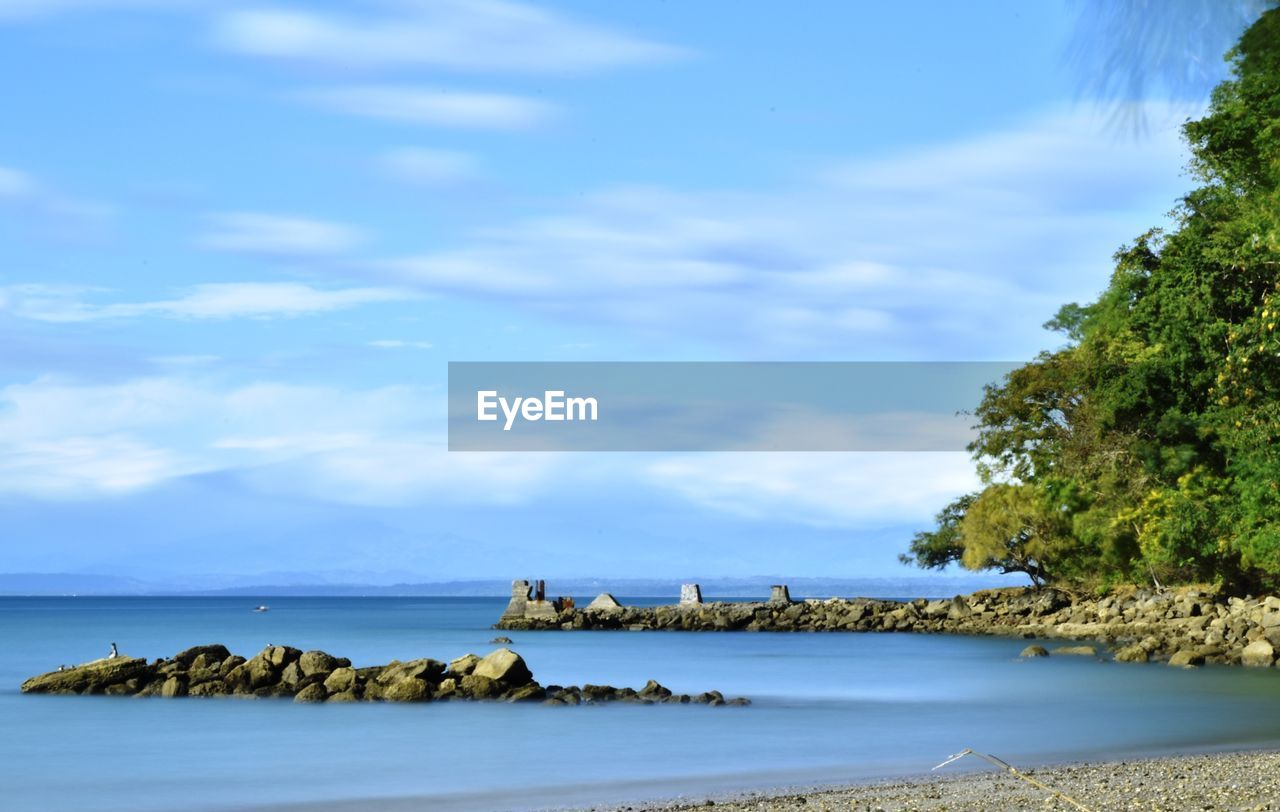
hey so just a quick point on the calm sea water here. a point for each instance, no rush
(828, 708)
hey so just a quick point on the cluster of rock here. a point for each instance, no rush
(1186, 626)
(314, 676)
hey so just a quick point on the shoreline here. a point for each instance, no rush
(1185, 626)
(1228, 779)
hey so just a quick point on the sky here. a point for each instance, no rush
(240, 242)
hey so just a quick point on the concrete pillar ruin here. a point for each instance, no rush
(519, 600)
(690, 594)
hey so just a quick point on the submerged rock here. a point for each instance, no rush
(1187, 659)
(1132, 654)
(1076, 651)
(1034, 651)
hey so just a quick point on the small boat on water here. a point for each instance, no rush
(262, 608)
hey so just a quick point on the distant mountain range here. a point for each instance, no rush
(327, 584)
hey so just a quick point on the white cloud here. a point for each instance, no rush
(433, 107)
(429, 166)
(224, 300)
(962, 249)
(397, 344)
(278, 235)
(383, 446)
(51, 212)
(67, 465)
(65, 440)
(31, 9)
(819, 489)
(475, 35)
(15, 185)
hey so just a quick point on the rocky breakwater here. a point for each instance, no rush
(1186, 626)
(314, 676)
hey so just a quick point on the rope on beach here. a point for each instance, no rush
(1016, 773)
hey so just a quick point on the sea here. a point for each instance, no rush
(828, 708)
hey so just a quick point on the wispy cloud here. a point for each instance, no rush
(914, 253)
(278, 235)
(225, 300)
(816, 489)
(433, 107)
(48, 211)
(73, 441)
(470, 35)
(398, 344)
(32, 9)
(383, 446)
(431, 167)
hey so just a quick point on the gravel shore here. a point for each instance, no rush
(1220, 781)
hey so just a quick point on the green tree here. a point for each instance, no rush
(1147, 446)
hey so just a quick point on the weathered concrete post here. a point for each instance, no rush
(778, 593)
(690, 594)
(519, 600)
(604, 602)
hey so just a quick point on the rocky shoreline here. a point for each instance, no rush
(1186, 626)
(315, 676)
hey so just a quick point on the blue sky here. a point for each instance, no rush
(239, 242)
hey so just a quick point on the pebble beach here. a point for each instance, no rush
(1219, 781)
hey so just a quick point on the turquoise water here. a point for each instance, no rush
(828, 708)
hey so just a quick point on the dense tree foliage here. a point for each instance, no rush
(1148, 448)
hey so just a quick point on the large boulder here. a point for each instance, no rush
(291, 675)
(475, 686)
(1186, 658)
(1034, 651)
(342, 679)
(173, 687)
(1258, 654)
(318, 662)
(91, 677)
(314, 692)
(505, 666)
(937, 609)
(533, 692)
(422, 669)
(464, 665)
(208, 689)
(279, 656)
(654, 690)
(252, 675)
(408, 690)
(213, 653)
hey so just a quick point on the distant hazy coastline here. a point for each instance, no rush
(356, 584)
